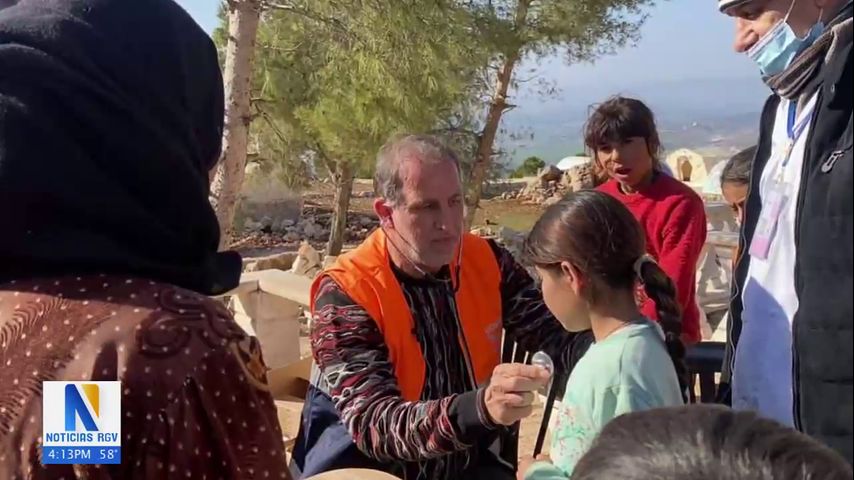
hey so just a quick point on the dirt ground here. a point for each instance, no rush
(528, 433)
(508, 213)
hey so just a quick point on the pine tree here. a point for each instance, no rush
(579, 30)
(335, 79)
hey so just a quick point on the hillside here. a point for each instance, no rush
(714, 116)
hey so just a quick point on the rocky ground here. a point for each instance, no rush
(306, 218)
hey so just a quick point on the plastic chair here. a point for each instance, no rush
(704, 360)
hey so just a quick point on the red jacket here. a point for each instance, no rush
(674, 219)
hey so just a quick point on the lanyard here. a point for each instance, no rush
(793, 132)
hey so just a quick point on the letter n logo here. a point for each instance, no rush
(75, 407)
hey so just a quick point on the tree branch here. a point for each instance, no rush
(281, 49)
(335, 23)
(463, 131)
(272, 125)
(307, 14)
(526, 80)
(331, 167)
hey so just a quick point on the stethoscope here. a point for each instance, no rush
(455, 282)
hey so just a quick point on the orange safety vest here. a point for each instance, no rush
(366, 276)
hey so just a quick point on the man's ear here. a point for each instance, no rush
(383, 211)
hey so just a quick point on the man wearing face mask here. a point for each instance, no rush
(790, 349)
(406, 336)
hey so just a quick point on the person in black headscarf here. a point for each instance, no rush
(111, 117)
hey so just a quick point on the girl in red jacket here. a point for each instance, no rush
(622, 135)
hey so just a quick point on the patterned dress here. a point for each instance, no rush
(195, 404)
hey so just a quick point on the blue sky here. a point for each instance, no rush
(204, 11)
(683, 39)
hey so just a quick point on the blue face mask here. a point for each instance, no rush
(777, 48)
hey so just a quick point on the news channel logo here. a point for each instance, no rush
(82, 423)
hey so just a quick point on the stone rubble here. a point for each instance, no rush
(307, 262)
(551, 185)
(312, 227)
(280, 261)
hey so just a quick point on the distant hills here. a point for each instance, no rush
(716, 117)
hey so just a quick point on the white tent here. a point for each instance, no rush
(688, 166)
(572, 162)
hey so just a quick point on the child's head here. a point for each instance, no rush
(585, 248)
(622, 136)
(735, 180)
(706, 442)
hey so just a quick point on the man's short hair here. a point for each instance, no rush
(427, 148)
(706, 442)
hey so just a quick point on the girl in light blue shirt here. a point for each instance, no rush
(591, 255)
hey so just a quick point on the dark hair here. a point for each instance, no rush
(737, 168)
(600, 237)
(706, 442)
(618, 119)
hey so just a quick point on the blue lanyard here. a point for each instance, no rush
(794, 131)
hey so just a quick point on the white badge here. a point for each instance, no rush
(768, 219)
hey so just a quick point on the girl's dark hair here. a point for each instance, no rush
(706, 442)
(621, 118)
(601, 238)
(737, 168)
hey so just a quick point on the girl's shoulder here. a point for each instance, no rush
(604, 362)
(643, 337)
(634, 346)
(645, 360)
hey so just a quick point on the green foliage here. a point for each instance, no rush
(220, 33)
(530, 166)
(581, 30)
(334, 79)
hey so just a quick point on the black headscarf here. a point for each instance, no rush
(111, 116)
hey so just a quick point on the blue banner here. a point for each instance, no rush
(81, 455)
